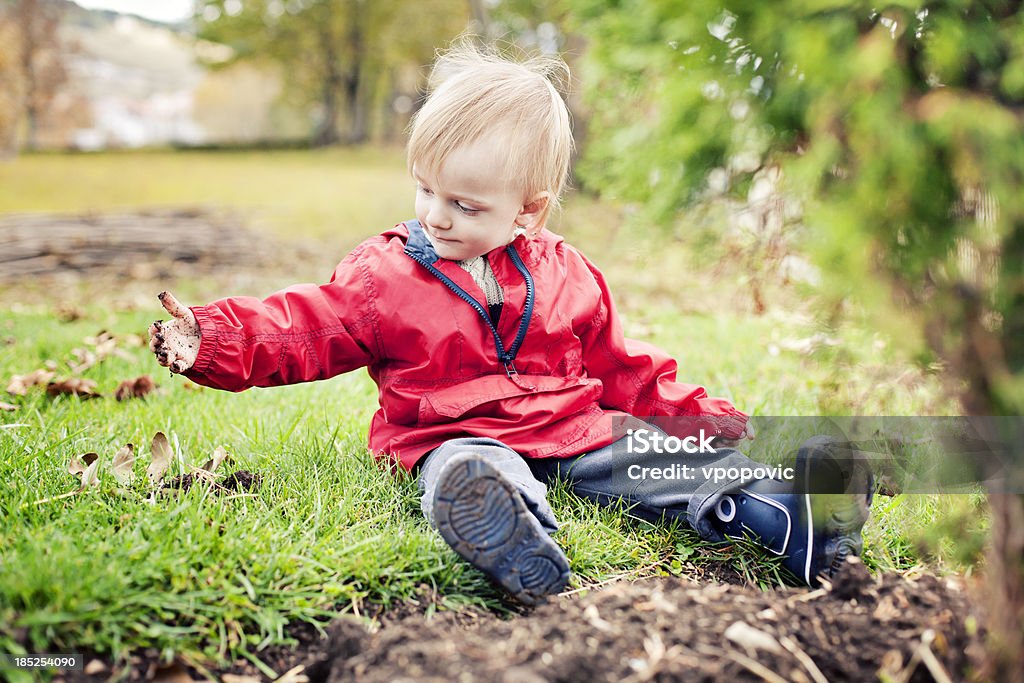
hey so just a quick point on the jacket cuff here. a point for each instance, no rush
(208, 341)
(731, 425)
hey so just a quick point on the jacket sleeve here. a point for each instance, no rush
(302, 333)
(640, 379)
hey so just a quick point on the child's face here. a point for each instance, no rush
(467, 208)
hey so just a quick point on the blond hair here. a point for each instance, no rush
(475, 94)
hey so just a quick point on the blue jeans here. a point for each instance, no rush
(591, 476)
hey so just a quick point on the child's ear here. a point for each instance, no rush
(534, 213)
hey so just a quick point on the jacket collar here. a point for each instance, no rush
(418, 245)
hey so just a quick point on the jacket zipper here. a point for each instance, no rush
(507, 358)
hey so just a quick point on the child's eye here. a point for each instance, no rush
(468, 210)
(424, 190)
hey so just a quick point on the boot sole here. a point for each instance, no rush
(484, 519)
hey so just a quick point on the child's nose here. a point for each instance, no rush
(437, 217)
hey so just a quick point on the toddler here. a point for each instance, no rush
(499, 357)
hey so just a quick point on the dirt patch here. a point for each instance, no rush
(663, 629)
(670, 630)
(242, 481)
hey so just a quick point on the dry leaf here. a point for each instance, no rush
(66, 313)
(91, 477)
(86, 468)
(75, 386)
(134, 388)
(83, 361)
(104, 342)
(122, 467)
(78, 465)
(7, 406)
(19, 384)
(219, 456)
(162, 456)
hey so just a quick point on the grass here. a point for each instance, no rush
(321, 194)
(213, 577)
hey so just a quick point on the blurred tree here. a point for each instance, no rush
(35, 53)
(11, 85)
(898, 127)
(343, 55)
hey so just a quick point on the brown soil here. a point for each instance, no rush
(242, 480)
(663, 629)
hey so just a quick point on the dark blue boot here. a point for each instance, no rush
(485, 520)
(816, 520)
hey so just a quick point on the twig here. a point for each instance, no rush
(50, 500)
(239, 495)
(804, 659)
(813, 595)
(930, 661)
(294, 675)
(756, 667)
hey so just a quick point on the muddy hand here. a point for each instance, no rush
(175, 342)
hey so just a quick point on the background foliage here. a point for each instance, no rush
(887, 140)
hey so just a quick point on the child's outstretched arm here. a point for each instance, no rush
(175, 342)
(302, 333)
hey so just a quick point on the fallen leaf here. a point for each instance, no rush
(162, 455)
(66, 313)
(104, 342)
(134, 388)
(19, 384)
(91, 477)
(219, 456)
(78, 465)
(75, 386)
(7, 406)
(122, 467)
(83, 360)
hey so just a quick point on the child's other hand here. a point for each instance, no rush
(748, 433)
(175, 342)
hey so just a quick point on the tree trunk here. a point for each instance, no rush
(482, 22)
(355, 86)
(28, 19)
(326, 132)
(1006, 585)
(984, 360)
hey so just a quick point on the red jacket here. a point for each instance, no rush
(435, 357)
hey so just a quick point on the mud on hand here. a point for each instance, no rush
(175, 342)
